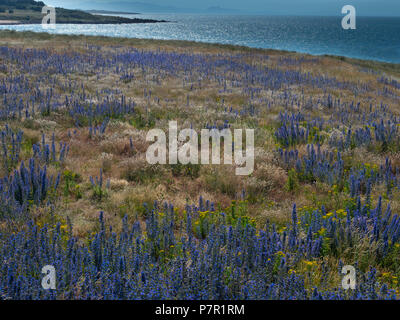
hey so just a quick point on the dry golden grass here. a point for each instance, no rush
(133, 181)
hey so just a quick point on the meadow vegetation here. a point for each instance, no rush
(77, 192)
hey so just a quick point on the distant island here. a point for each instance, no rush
(30, 12)
(94, 11)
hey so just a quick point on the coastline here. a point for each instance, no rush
(134, 21)
(383, 66)
(9, 22)
(29, 14)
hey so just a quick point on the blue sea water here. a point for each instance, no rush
(374, 38)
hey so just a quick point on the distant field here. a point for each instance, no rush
(74, 114)
(30, 12)
(21, 14)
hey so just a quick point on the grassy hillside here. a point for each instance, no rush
(29, 11)
(77, 192)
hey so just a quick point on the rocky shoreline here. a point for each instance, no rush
(62, 21)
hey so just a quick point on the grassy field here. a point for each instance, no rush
(64, 16)
(326, 138)
(30, 12)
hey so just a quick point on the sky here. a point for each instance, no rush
(273, 7)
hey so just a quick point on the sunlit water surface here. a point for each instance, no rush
(374, 38)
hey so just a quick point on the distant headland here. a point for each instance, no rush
(30, 12)
(95, 11)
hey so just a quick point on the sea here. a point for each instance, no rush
(375, 38)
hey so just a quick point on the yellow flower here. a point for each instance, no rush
(310, 263)
(280, 253)
(203, 213)
(282, 229)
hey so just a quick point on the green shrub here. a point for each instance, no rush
(293, 181)
(187, 170)
(71, 186)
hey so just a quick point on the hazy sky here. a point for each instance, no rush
(291, 7)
